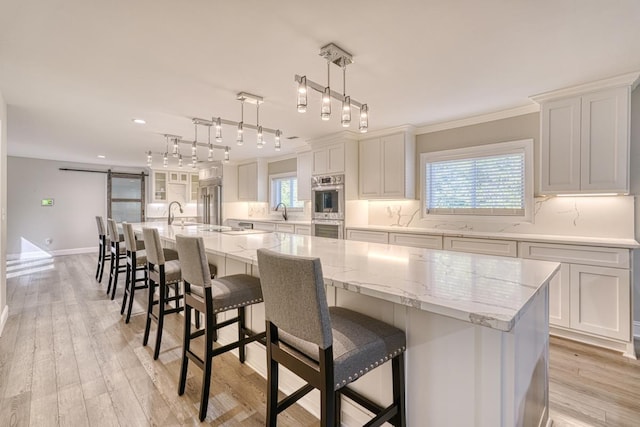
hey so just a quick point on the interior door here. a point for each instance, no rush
(125, 197)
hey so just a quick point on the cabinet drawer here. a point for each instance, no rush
(589, 255)
(303, 229)
(416, 240)
(481, 246)
(265, 226)
(368, 236)
(285, 228)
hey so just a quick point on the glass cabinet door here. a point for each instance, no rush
(194, 187)
(160, 186)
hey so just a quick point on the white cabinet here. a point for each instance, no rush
(585, 137)
(264, 226)
(193, 185)
(328, 159)
(386, 167)
(481, 246)
(252, 182)
(304, 230)
(305, 164)
(159, 184)
(416, 240)
(592, 292)
(368, 236)
(285, 228)
(178, 177)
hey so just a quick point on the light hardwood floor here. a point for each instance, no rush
(68, 358)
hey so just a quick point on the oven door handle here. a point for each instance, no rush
(328, 188)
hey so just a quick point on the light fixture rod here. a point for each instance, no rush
(334, 53)
(250, 98)
(336, 95)
(205, 122)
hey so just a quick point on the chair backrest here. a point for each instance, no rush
(100, 222)
(129, 237)
(294, 296)
(114, 236)
(153, 246)
(193, 261)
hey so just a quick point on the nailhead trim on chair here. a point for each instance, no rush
(373, 365)
(242, 304)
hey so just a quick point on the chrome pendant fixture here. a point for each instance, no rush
(338, 56)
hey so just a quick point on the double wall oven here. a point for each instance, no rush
(327, 198)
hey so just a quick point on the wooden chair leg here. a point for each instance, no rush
(327, 407)
(186, 343)
(99, 260)
(111, 266)
(147, 328)
(161, 308)
(127, 288)
(338, 409)
(241, 334)
(272, 382)
(116, 270)
(102, 260)
(397, 367)
(206, 372)
(132, 293)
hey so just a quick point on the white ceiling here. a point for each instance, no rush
(74, 73)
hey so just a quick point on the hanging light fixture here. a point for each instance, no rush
(277, 140)
(175, 150)
(218, 130)
(165, 157)
(338, 56)
(149, 158)
(240, 136)
(226, 154)
(209, 145)
(302, 94)
(259, 135)
(179, 160)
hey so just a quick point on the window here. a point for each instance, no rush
(493, 180)
(284, 189)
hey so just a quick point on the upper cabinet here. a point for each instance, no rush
(328, 159)
(252, 181)
(304, 166)
(387, 167)
(193, 184)
(159, 182)
(168, 185)
(584, 144)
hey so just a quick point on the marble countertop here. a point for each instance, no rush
(273, 220)
(523, 237)
(487, 290)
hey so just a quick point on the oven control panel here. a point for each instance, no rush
(319, 181)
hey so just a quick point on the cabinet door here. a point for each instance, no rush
(560, 146)
(368, 236)
(304, 230)
(159, 186)
(605, 141)
(193, 185)
(247, 182)
(416, 240)
(559, 297)
(335, 155)
(601, 301)
(393, 166)
(286, 228)
(369, 168)
(320, 161)
(481, 246)
(305, 163)
(264, 226)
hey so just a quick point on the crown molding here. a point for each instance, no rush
(410, 129)
(335, 137)
(629, 79)
(483, 118)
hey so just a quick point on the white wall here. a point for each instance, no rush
(70, 222)
(4, 309)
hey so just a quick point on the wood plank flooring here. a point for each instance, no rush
(68, 358)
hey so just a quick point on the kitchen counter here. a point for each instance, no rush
(273, 220)
(522, 237)
(477, 325)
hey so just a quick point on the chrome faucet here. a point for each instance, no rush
(170, 218)
(284, 214)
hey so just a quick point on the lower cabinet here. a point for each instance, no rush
(481, 246)
(416, 240)
(368, 236)
(304, 230)
(584, 296)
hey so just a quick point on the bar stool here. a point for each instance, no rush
(163, 270)
(211, 297)
(103, 243)
(118, 252)
(328, 347)
(136, 261)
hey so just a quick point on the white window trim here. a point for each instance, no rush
(520, 146)
(272, 203)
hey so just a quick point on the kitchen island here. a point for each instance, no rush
(477, 325)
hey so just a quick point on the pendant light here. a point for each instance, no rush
(226, 154)
(165, 157)
(277, 140)
(240, 136)
(210, 146)
(179, 160)
(364, 119)
(325, 109)
(175, 150)
(302, 95)
(218, 130)
(149, 158)
(259, 135)
(345, 117)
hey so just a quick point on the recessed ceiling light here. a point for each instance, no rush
(139, 121)
(102, 156)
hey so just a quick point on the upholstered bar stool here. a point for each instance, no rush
(103, 243)
(234, 292)
(328, 347)
(163, 271)
(118, 252)
(136, 261)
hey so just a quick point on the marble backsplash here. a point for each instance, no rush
(606, 216)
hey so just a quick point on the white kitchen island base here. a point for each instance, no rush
(477, 326)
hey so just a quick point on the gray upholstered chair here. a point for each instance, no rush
(136, 260)
(234, 292)
(328, 347)
(118, 252)
(103, 243)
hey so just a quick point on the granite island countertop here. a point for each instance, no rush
(486, 290)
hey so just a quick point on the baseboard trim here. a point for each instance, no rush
(46, 254)
(3, 318)
(636, 329)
